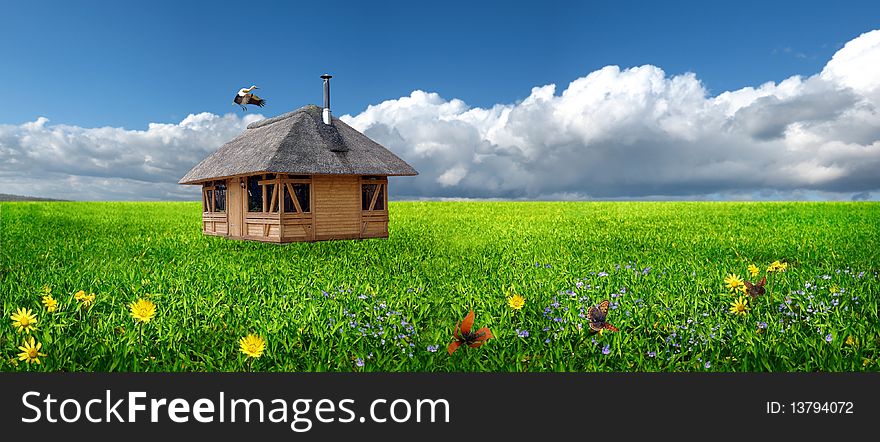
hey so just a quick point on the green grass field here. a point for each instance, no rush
(382, 305)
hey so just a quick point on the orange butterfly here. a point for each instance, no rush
(597, 317)
(466, 336)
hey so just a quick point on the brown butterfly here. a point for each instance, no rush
(597, 317)
(755, 290)
(464, 336)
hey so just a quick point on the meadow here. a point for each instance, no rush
(393, 305)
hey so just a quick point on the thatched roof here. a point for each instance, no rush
(299, 143)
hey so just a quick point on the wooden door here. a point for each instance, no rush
(234, 206)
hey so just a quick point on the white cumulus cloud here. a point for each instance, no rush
(70, 162)
(637, 132)
(615, 133)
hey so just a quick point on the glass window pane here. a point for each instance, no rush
(367, 191)
(302, 196)
(270, 189)
(255, 194)
(220, 197)
(288, 203)
(380, 200)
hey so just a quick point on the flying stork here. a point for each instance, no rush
(245, 97)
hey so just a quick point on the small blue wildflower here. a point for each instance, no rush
(708, 364)
(522, 333)
(359, 362)
(828, 338)
(602, 274)
(652, 354)
(606, 350)
(432, 348)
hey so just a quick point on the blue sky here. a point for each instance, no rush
(160, 61)
(680, 100)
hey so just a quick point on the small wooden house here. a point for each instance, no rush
(300, 176)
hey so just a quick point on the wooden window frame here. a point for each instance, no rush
(276, 199)
(209, 190)
(286, 184)
(383, 187)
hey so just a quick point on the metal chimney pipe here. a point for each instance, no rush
(327, 78)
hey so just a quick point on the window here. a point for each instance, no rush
(301, 191)
(270, 198)
(255, 194)
(373, 196)
(261, 193)
(220, 196)
(214, 197)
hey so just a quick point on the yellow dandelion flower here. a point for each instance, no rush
(733, 282)
(84, 299)
(739, 307)
(143, 310)
(24, 320)
(252, 345)
(850, 340)
(50, 303)
(754, 270)
(30, 352)
(516, 301)
(777, 266)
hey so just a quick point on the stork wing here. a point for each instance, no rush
(255, 100)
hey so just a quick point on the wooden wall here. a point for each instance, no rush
(336, 213)
(337, 207)
(214, 223)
